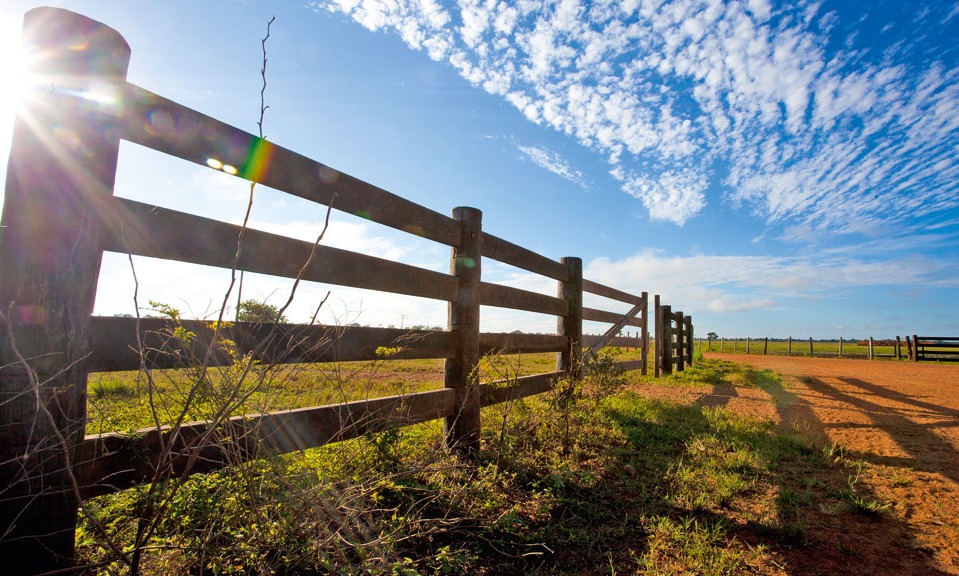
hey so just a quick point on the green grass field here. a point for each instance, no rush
(585, 480)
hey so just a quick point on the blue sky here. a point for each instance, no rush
(772, 168)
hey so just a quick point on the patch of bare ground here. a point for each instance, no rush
(897, 422)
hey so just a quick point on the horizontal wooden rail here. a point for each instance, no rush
(631, 365)
(161, 124)
(508, 390)
(611, 293)
(608, 317)
(621, 341)
(112, 462)
(936, 348)
(509, 253)
(495, 343)
(113, 343)
(518, 299)
(938, 342)
(145, 230)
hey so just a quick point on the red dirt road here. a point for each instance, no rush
(901, 419)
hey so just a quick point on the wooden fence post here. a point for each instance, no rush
(747, 344)
(915, 348)
(667, 331)
(840, 346)
(645, 334)
(682, 341)
(571, 325)
(789, 346)
(871, 355)
(765, 345)
(62, 166)
(658, 329)
(689, 333)
(898, 348)
(810, 347)
(462, 429)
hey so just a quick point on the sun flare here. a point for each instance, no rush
(13, 81)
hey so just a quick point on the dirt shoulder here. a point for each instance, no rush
(900, 419)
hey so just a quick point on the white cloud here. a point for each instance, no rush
(553, 162)
(715, 283)
(729, 305)
(810, 135)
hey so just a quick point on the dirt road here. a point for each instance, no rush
(900, 419)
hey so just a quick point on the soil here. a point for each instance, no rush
(900, 420)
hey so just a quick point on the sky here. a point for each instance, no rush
(771, 168)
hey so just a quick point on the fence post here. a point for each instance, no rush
(810, 347)
(871, 356)
(658, 329)
(765, 345)
(747, 344)
(915, 348)
(898, 348)
(840, 346)
(645, 334)
(62, 166)
(667, 328)
(462, 429)
(789, 346)
(571, 325)
(682, 341)
(689, 333)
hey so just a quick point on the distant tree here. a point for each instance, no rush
(709, 339)
(253, 311)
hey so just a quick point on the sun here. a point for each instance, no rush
(14, 82)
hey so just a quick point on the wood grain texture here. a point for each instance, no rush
(514, 255)
(112, 462)
(612, 293)
(595, 315)
(61, 170)
(161, 124)
(508, 390)
(145, 230)
(517, 299)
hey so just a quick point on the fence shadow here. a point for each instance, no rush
(928, 451)
(719, 397)
(847, 544)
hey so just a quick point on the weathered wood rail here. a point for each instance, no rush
(60, 215)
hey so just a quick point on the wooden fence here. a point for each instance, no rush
(937, 348)
(913, 348)
(60, 215)
(674, 339)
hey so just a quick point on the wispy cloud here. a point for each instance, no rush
(718, 283)
(751, 97)
(552, 161)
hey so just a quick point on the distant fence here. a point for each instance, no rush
(914, 348)
(60, 215)
(939, 348)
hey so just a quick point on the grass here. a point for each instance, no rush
(562, 485)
